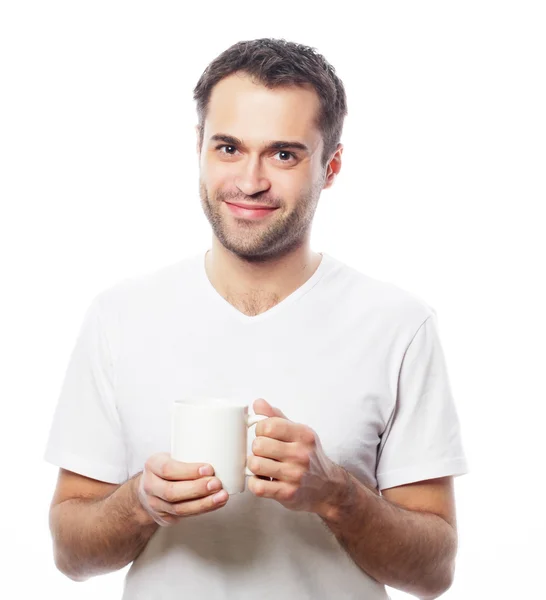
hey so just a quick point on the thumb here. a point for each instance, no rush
(262, 407)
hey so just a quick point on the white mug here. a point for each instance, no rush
(214, 431)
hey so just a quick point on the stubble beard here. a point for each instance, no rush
(256, 241)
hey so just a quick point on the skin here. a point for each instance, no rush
(404, 537)
(256, 264)
(99, 527)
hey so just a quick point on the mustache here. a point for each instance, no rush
(235, 198)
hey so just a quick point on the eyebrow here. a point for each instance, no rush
(276, 145)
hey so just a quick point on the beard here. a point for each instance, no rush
(257, 241)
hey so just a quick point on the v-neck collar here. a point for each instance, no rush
(223, 304)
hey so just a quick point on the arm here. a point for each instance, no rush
(99, 527)
(406, 539)
(101, 530)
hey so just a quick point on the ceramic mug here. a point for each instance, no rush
(214, 431)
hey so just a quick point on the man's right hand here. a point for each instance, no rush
(169, 489)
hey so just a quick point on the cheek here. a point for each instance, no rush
(211, 184)
(213, 169)
(289, 186)
(220, 177)
(302, 183)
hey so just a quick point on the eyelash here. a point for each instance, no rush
(292, 155)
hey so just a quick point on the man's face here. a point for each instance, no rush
(246, 170)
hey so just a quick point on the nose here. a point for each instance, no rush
(251, 180)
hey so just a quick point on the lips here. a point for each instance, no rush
(250, 211)
(252, 206)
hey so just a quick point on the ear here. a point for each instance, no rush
(262, 407)
(333, 168)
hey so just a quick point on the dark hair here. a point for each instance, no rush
(277, 63)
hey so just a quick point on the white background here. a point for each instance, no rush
(442, 185)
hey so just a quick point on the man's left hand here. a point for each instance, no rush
(304, 478)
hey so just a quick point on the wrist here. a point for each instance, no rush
(141, 515)
(341, 499)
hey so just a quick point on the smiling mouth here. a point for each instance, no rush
(250, 212)
(252, 206)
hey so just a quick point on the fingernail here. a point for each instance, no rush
(220, 496)
(206, 470)
(213, 484)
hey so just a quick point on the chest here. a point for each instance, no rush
(340, 388)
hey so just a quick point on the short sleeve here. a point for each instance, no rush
(86, 434)
(422, 439)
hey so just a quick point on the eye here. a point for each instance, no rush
(225, 146)
(290, 155)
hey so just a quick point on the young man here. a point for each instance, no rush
(352, 487)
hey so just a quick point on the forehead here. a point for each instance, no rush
(250, 110)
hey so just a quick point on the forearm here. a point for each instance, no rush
(93, 537)
(408, 550)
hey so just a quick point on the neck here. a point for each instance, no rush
(275, 278)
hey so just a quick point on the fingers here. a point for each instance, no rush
(283, 461)
(162, 465)
(281, 471)
(271, 448)
(281, 491)
(262, 407)
(171, 512)
(170, 489)
(179, 491)
(285, 431)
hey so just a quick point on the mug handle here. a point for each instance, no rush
(250, 421)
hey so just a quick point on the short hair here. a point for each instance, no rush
(279, 63)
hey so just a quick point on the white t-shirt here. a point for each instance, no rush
(357, 359)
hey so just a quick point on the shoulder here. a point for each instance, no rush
(378, 300)
(142, 303)
(150, 289)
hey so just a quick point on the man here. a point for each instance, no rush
(353, 468)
